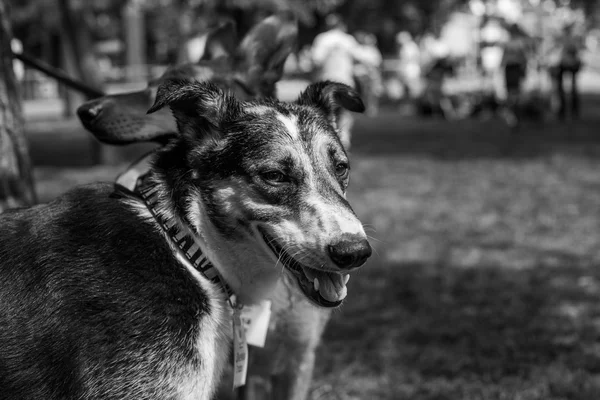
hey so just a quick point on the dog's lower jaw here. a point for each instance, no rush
(249, 271)
(333, 289)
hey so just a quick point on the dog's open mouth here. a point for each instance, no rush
(326, 289)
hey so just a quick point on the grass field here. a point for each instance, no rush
(486, 279)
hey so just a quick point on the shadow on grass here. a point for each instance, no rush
(390, 133)
(420, 331)
(66, 143)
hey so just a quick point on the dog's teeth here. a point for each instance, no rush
(342, 295)
(316, 284)
(346, 278)
(310, 273)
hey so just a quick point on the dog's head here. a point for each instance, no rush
(264, 184)
(250, 68)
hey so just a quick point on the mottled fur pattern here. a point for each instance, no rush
(87, 313)
(95, 305)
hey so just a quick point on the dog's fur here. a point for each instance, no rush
(95, 305)
(283, 368)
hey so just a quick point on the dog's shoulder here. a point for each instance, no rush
(75, 200)
(92, 264)
(86, 216)
(85, 233)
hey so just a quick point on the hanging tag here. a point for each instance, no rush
(240, 351)
(255, 320)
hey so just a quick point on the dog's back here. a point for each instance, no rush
(78, 297)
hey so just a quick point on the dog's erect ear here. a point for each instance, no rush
(261, 55)
(221, 41)
(331, 98)
(198, 107)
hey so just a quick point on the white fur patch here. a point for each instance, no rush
(338, 220)
(214, 336)
(320, 141)
(291, 125)
(247, 269)
(348, 223)
(259, 110)
(212, 342)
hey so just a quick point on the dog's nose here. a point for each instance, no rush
(350, 252)
(89, 111)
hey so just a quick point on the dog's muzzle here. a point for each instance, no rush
(324, 288)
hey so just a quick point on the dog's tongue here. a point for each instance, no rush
(332, 286)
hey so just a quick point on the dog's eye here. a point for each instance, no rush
(341, 170)
(275, 177)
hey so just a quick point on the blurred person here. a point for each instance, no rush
(434, 99)
(194, 40)
(368, 73)
(305, 62)
(514, 63)
(335, 53)
(493, 35)
(17, 47)
(433, 49)
(409, 55)
(437, 67)
(569, 47)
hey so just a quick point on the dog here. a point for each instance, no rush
(110, 294)
(283, 368)
(249, 68)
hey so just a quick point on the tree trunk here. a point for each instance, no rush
(16, 178)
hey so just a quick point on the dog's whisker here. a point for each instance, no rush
(278, 261)
(375, 250)
(288, 256)
(281, 257)
(374, 238)
(370, 229)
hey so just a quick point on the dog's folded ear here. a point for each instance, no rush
(261, 55)
(198, 107)
(331, 98)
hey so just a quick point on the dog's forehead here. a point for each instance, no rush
(296, 123)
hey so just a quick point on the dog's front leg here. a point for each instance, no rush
(257, 387)
(292, 380)
(294, 383)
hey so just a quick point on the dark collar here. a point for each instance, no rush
(134, 183)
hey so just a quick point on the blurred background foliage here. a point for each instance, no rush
(168, 22)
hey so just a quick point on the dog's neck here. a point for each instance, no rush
(190, 245)
(237, 268)
(184, 239)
